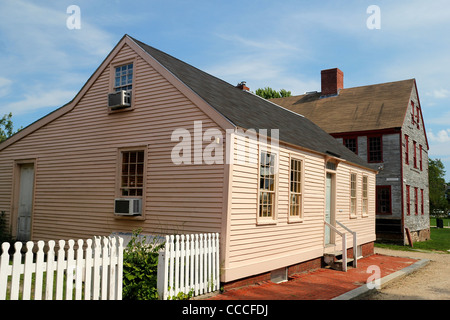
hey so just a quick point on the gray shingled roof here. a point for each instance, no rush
(249, 111)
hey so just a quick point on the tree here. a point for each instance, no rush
(6, 127)
(438, 202)
(269, 93)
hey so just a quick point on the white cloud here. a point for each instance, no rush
(36, 38)
(261, 62)
(440, 93)
(38, 100)
(441, 136)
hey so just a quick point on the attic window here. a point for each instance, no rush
(418, 117)
(123, 77)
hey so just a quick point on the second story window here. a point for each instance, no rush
(406, 149)
(351, 144)
(123, 77)
(415, 154)
(420, 157)
(374, 149)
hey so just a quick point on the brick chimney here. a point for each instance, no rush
(242, 86)
(332, 81)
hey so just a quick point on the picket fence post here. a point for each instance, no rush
(99, 268)
(188, 263)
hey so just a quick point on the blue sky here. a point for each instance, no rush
(281, 44)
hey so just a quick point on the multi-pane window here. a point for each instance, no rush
(412, 112)
(408, 201)
(365, 201)
(421, 202)
(123, 77)
(353, 194)
(420, 157)
(132, 173)
(266, 185)
(351, 144)
(295, 200)
(406, 149)
(374, 149)
(384, 200)
(416, 201)
(418, 117)
(415, 154)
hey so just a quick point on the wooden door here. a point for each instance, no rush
(25, 202)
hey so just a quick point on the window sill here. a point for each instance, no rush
(265, 222)
(113, 111)
(353, 216)
(135, 218)
(295, 220)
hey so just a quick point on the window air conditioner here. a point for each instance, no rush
(119, 99)
(127, 207)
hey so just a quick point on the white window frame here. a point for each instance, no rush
(365, 196)
(299, 193)
(353, 197)
(262, 220)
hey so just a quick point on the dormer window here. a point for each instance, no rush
(123, 77)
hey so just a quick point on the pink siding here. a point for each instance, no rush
(77, 161)
(257, 248)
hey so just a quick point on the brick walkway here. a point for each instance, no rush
(320, 284)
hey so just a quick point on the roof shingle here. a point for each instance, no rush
(373, 107)
(248, 111)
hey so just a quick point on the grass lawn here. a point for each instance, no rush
(446, 222)
(440, 241)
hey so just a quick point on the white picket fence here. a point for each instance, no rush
(189, 263)
(97, 264)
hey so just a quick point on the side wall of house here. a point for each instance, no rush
(389, 176)
(256, 247)
(414, 177)
(77, 163)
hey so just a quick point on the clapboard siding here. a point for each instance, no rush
(265, 247)
(77, 161)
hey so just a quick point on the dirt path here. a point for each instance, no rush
(431, 282)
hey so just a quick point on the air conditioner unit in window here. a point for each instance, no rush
(120, 99)
(127, 207)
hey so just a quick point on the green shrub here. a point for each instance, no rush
(140, 264)
(5, 236)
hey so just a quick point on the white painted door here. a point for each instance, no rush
(25, 202)
(328, 207)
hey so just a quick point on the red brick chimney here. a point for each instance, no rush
(332, 81)
(243, 86)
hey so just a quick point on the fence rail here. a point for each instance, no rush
(189, 263)
(91, 272)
